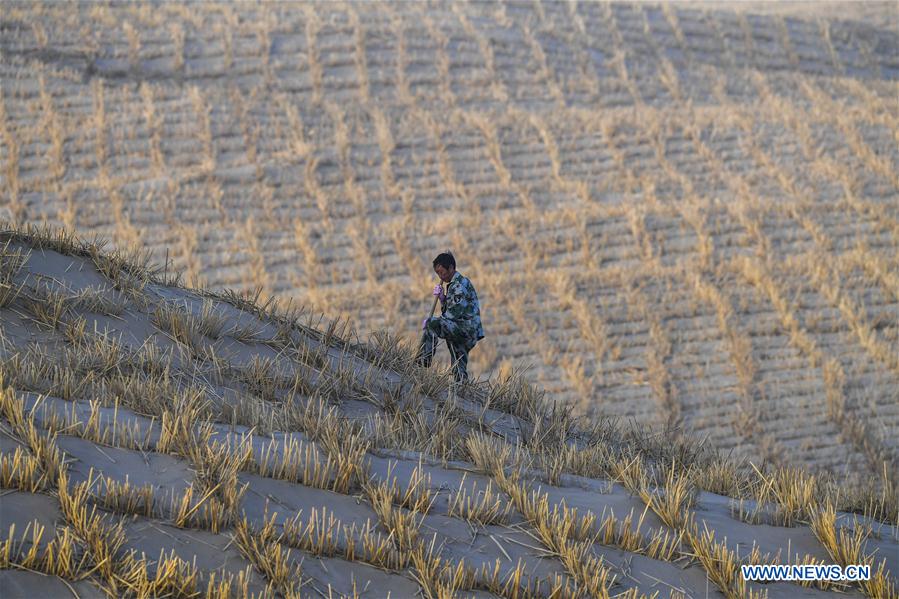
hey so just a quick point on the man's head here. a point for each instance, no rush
(445, 266)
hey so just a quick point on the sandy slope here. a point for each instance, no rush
(879, 14)
(683, 214)
(68, 385)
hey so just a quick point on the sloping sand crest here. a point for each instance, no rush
(158, 440)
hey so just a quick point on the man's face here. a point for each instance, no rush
(445, 274)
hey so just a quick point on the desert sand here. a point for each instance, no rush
(682, 214)
(159, 440)
(682, 221)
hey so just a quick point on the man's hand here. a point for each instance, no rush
(438, 292)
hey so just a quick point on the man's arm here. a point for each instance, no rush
(440, 295)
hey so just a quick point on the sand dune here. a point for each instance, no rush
(160, 440)
(684, 214)
(682, 220)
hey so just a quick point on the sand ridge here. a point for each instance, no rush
(282, 486)
(693, 204)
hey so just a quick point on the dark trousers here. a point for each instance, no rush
(441, 328)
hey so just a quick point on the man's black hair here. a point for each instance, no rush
(445, 260)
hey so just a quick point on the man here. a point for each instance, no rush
(460, 320)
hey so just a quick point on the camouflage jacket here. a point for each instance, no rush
(462, 307)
